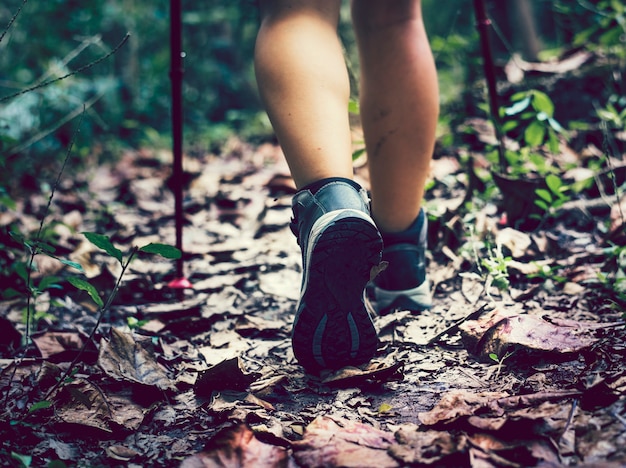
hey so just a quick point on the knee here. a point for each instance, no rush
(370, 15)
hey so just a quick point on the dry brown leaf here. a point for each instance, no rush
(85, 404)
(456, 404)
(472, 331)
(176, 309)
(339, 442)
(123, 358)
(238, 447)
(377, 372)
(121, 452)
(502, 330)
(61, 346)
(227, 375)
(429, 447)
(516, 241)
(9, 336)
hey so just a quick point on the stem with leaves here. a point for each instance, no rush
(104, 243)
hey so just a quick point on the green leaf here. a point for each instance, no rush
(48, 282)
(534, 134)
(45, 247)
(543, 103)
(544, 194)
(78, 266)
(555, 125)
(353, 107)
(357, 153)
(88, 287)
(24, 460)
(554, 183)
(21, 270)
(543, 205)
(384, 408)
(517, 107)
(104, 243)
(494, 357)
(44, 404)
(57, 464)
(163, 250)
(508, 126)
(10, 293)
(553, 142)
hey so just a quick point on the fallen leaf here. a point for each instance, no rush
(238, 447)
(62, 346)
(516, 241)
(123, 358)
(177, 309)
(121, 452)
(502, 330)
(429, 447)
(9, 336)
(375, 372)
(339, 442)
(227, 375)
(456, 404)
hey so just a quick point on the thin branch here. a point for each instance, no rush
(67, 75)
(96, 39)
(15, 150)
(12, 20)
(34, 250)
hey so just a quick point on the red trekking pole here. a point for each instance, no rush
(176, 77)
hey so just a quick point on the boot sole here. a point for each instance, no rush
(332, 328)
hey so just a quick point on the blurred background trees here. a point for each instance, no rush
(127, 96)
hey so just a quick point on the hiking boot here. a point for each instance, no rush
(403, 284)
(340, 244)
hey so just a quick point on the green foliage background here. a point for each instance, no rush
(128, 95)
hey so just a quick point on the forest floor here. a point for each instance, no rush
(530, 373)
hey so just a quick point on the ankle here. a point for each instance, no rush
(411, 235)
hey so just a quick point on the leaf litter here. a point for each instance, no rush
(532, 375)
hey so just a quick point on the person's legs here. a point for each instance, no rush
(399, 111)
(399, 106)
(303, 80)
(304, 84)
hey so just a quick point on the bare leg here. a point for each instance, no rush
(303, 81)
(399, 106)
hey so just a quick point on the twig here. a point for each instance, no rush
(455, 326)
(570, 417)
(14, 151)
(97, 39)
(12, 20)
(35, 250)
(67, 75)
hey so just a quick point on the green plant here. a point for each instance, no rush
(607, 30)
(614, 112)
(499, 361)
(496, 265)
(492, 270)
(550, 199)
(531, 116)
(547, 273)
(614, 276)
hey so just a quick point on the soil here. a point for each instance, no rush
(530, 373)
